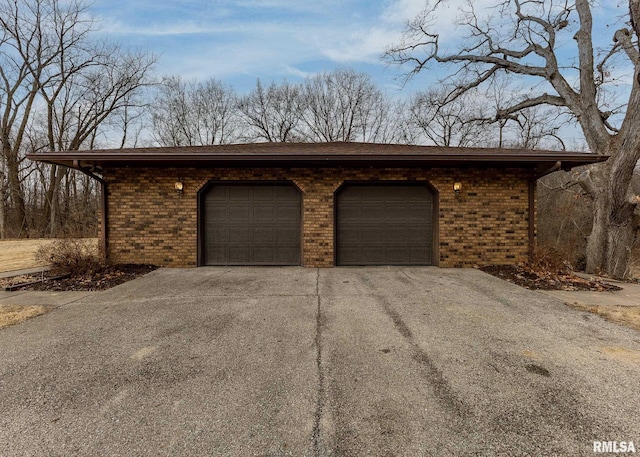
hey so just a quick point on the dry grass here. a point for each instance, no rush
(20, 254)
(14, 314)
(625, 315)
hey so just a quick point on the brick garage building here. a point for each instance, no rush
(318, 205)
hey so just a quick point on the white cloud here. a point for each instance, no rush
(289, 70)
(366, 45)
(230, 39)
(400, 11)
(151, 30)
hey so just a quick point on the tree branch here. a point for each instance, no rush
(624, 39)
(544, 99)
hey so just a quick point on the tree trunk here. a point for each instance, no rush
(16, 195)
(620, 240)
(597, 241)
(3, 233)
(54, 200)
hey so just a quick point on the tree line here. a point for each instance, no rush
(62, 89)
(342, 105)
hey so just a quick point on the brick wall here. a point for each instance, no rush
(149, 222)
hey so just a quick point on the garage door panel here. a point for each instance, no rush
(384, 224)
(238, 214)
(397, 197)
(373, 254)
(264, 215)
(286, 193)
(375, 195)
(216, 251)
(251, 224)
(288, 214)
(396, 254)
(349, 214)
(416, 235)
(370, 235)
(218, 212)
(238, 193)
(420, 215)
(286, 257)
(415, 194)
(219, 235)
(397, 213)
(370, 213)
(416, 254)
(238, 235)
(264, 255)
(238, 254)
(394, 234)
(288, 236)
(265, 235)
(350, 236)
(266, 194)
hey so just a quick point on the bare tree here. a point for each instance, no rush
(338, 106)
(345, 106)
(272, 114)
(33, 33)
(443, 123)
(523, 38)
(468, 120)
(533, 128)
(59, 88)
(88, 90)
(194, 113)
(385, 121)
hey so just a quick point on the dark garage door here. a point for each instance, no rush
(250, 225)
(384, 225)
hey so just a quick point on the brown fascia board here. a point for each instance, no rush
(313, 154)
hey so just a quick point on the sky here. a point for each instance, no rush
(239, 41)
(242, 40)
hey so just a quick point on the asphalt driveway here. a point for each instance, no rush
(294, 361)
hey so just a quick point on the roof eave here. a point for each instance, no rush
(75, 160)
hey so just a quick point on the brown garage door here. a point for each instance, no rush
(384, 225)
(253, 224)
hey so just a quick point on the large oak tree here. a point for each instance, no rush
(550, 45)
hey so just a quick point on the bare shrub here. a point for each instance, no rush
(78, 257)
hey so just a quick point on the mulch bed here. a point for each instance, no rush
(108, 277)
(546, 280)
(114, 275)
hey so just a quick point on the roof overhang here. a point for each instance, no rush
(318, 155)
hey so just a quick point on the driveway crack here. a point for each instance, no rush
(320, 387)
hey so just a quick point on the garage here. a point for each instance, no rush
(317, 204)
(385, 224)
(250, 224)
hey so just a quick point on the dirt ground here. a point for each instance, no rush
(19, 254)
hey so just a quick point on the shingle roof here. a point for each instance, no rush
(313, 154)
